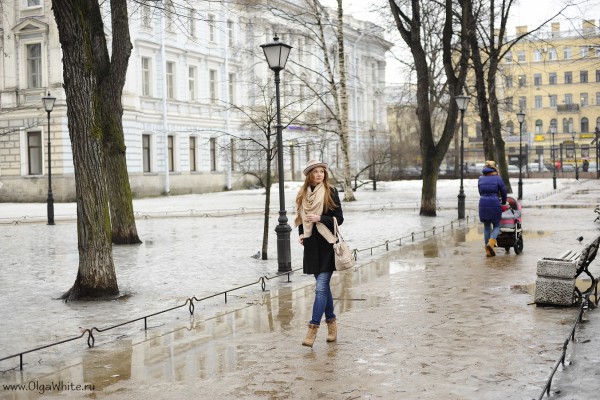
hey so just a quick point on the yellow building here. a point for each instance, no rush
(554, 78)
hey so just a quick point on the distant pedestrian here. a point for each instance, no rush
(493, 195)
(585, 166)
(317, 204)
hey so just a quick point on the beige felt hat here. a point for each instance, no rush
(312, 164)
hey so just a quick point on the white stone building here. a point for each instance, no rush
(192, 71)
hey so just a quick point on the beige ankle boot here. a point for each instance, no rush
(311, 335)
(331, 330)
(490, 247)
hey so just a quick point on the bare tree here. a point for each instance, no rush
(326, 33)
(490, 44)
(78, 23)
(412, 20)
(257, 150)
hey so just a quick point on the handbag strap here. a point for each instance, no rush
(336, 229)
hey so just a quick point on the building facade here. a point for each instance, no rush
(194, 79)
(554, 79)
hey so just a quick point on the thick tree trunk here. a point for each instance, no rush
(96, 276)
(111, 80)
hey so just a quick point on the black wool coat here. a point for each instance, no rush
(318, 252)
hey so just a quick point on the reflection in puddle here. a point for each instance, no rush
(406, 266)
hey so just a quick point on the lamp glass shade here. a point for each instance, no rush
(276, 54)
(48, 102)
(462, 101)
(521, 117)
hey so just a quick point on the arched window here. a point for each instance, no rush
(598, 122)
(510, 128)
(571, 126)
(585, 125)
(553, 123)
(565, 127)
(539, 126)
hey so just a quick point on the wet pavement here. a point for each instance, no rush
(434, 319)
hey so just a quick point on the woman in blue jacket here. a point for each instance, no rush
(491, 189)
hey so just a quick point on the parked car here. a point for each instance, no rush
(568, 168)
(513, 169)
(535, 167)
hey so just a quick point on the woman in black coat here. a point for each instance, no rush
(317, 205)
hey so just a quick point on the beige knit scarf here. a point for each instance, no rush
(312, 203)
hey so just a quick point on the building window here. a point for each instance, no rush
(585, 125)
(509, 104)
(584, 100)
(193, 153)
(170, 16)
(598, 98)
(34, 153)
(146, 13)
(598, 75)
(567, 53)
(522, 103)
(522, 80)
(146, 152)
(538, 101)
(192, 83)
(583, 51)
(553, 100)
(170, 80)
(537, 79)
(34, 65)
(568, 77)
(509, 81)
(510, 128)
(191, 23)
(552, 80)
(213, 154)
(565, 125)
(552, 54)
(568, 98)
(230, 33)
(508, 57)
(537, 55)
(539, 126)
(521, 56)
(213, 85)
(554, 123)
(146, 73)
(33, 3)
(583, 77)
(170, 153)
(211, 28)
(232, 88)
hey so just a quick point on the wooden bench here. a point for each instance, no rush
(555, 284)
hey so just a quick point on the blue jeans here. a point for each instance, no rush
(323, 299)
(489, 232)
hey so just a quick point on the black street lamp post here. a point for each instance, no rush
(373, 171)
(462, 101)
(48, 102)
(575, 155)
(553, 131)
(521, 118)
(277, 54)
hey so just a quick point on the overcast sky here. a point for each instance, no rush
(524, 12)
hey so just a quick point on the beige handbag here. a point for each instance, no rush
(343, 255)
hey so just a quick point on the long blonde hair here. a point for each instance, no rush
(327, 201)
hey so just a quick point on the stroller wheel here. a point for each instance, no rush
(507, 249)
(519, 246)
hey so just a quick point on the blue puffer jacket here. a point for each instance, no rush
(491, 188)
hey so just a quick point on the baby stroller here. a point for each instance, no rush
(511, 232)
